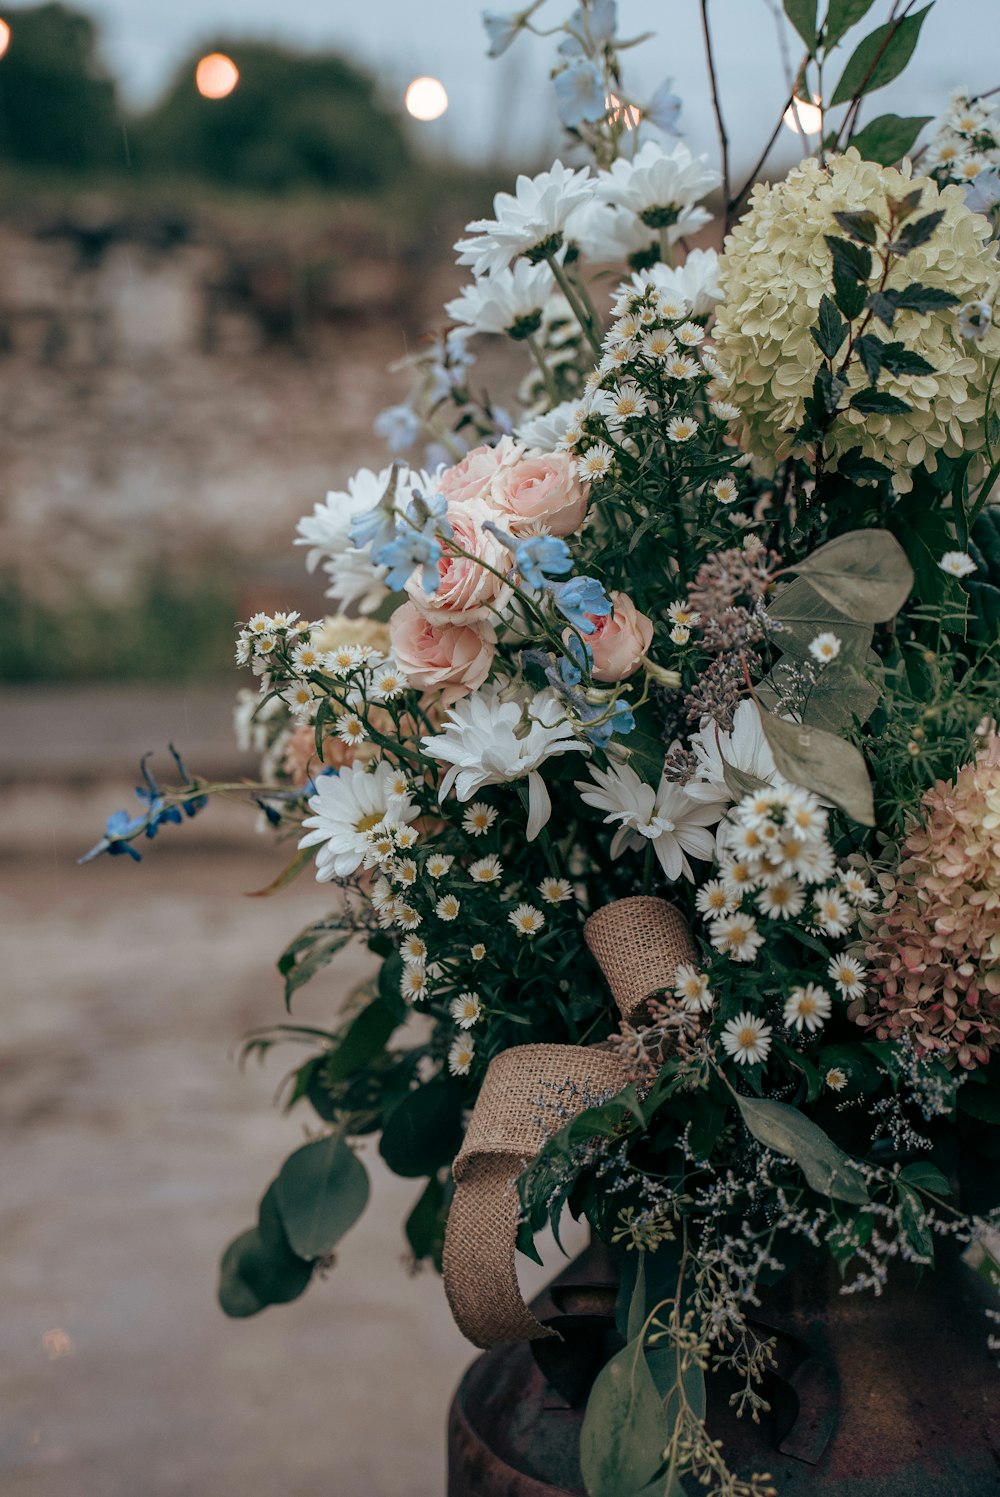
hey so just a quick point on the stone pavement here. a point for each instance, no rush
(134, 1149)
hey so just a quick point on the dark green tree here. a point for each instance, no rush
(292, 121)
(57, 104)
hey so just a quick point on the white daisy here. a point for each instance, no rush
(447, 907)
(488, 870)
(413, 984)
(301, 700)
(747, 1039)
(404, 872)
(526, 920)
(736, 936)
(782, 900)
(724, 410)
(744, 748)
(681, 428)
(680, 366)
(407, 918)
(406, 836)
(477, 952)
(350, 728)
(345, 807)
(690, 334)
(680, 613)
(438, 864)
(714, 899)
(693, 287)
(675, 823)
(691, 987)
(833, 913)
(530, 222)
(627, 401)
(808, 1008)
(856, 887)
(824, 648)
(413, 949)
(466, 1009)
(957, 563)
(479, 818)
(836, 1079)
(661, 187)
(388, 682)
(507, 301)
(555, 890)
(461, 1054)
(306, 657)
(596, 462)
(680, 634)
(848, 974)
(659, 343)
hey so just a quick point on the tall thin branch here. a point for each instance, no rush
(720, 123)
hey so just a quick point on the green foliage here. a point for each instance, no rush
(322, 1189)
(259, 1267)
(841, 15)
(426, 1222)
(623, 1434)
(311, 951)
(424, 1132)
(880, 57)
(822, 762)
(294, 121)
(864, 574)
(802, 14)
(789, 1132)
(58, 107)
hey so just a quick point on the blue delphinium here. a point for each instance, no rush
(580, 600)
(580, 93)
(408, 550)
(121, 829)
(398, 426)
(663, 109)
(542, 556)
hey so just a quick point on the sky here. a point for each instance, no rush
(504, 108)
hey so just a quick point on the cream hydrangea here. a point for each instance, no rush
(776, 268)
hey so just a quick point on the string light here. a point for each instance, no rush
(216, 76)
(804, 117)
(4, 37)
(426, 99)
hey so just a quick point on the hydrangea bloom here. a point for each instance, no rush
(775, 270)
(936, 954)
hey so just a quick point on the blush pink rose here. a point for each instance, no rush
(467, 592)
(541, 492)
(470, 479)
(453, 657)
(619, 640)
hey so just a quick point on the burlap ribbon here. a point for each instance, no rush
(528, 1093)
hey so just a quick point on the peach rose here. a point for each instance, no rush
(470, 479)
(454, 657)
(466, 592)
(300, 761)
(541, 492)
(619, 640)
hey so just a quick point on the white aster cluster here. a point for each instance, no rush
(966, 141)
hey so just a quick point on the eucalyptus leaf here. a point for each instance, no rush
(623, 1434)
(802, 14)
(880, 57)
(840, 697)
(864, 573)
(788, 1132)
(823, 763)
(362, 1041)
(803, 613)
(322, 1189)
(424, 1132)
(425, 1223)
(255, 1273)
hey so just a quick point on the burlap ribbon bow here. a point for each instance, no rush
(639, 944)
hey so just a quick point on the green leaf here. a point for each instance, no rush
(823, 763)
(803, 613)
(862, 227)
(363, 1039)
(879, 403)
(322, 1189)
(912, 235)
(788, 1132)
(852, 260)
(880, 57)
(925, 534)
(898, 359)
(913, 1224)
(863, 573)
(984, 624)
(287, 875)
(923, 1175)
(254, 1274)
(917, 298)
(840, 696)
(425, 1223)
(802, 14)
(830, 330)
(623, 1434)
(849, 293)
(424, 1132)
(888, 138)
(859, 468)
(869, 350)
(308, 954)
(980, 1102)
(841, 15)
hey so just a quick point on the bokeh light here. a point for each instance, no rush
(426, 99)
(619, 113)
(4, 37)
(804, 117)
(216, 76)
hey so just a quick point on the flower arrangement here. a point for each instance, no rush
(702, 641)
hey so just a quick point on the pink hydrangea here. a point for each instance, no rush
(936, 953)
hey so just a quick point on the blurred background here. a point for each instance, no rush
(220, 222)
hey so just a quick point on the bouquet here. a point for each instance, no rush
(649, 744)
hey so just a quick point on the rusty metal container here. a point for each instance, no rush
(890, 1397)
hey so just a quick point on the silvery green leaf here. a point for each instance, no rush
(790, 1133)
(823, 763)
(803, 613)
(864, 573)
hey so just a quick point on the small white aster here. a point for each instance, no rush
(350, 728)
(387, 683)
(596, 462)
(833, 913)
(680, 634)
(957, 564)
(836, 1079)
(460, 1055)
(477, 952)
(736, 936)
(782, 900)
(447, 907)
(488, 870)
(306, 657)
(526, 920)
(691, 987)
(466, 1009)
(406, 836)
(413, 985)
(413, 949)
(848, 974)
(724, 410)
(479, 818)
(808, 1008)
(714, 899)
(747, 1039)
(555, 890)
(404, 872)
(681, 428)
(407, 917)
(680, 613)
(438, 864)
(681, 366)
(690, 334)
(856, 887)
(627, 401)
(824, 648)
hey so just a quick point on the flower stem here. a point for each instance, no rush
(546, 373)
(576, 305)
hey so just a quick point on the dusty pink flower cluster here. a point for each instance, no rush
(936, 953)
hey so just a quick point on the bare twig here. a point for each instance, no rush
(720, 123)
